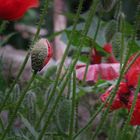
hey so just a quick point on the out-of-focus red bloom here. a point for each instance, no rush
(111, 58)
(15, 9)
(96, 57)
(105, 71)
(121, 99)
(125, 95)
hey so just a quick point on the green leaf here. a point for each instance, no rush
(88, 41)
(135, 47)
(76, 38)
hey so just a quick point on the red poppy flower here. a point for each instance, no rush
(15, 9)
(125, 94)
(105, 71)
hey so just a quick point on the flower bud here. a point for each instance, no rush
(108, 4)
(41, 53)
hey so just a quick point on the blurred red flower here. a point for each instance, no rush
(105, 71)
(96, 57)
(15, 9)
(121, 98)
(125, 95)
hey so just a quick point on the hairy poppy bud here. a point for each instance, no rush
(41, 53)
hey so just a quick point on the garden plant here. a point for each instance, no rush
(92, 91)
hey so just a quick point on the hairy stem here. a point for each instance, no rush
(46, 3)
(21, 98)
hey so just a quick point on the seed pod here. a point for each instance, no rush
(41, 53)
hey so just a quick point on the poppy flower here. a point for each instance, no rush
(105, 71)
(15, 9)
(125, 95)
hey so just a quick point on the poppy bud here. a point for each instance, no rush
(41, 53)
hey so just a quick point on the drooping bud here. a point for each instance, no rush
(41, 53)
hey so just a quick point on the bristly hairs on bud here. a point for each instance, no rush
(116, 43)
(41, 53)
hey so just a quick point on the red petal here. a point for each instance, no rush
(95, 57)
(116, 103)
(104, 71)
(109, 71)
(108, 48)
(15, 9)
(135, 119)
(133, 72)
(92, 73)
(50, 52)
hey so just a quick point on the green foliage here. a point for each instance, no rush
(45, 107)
